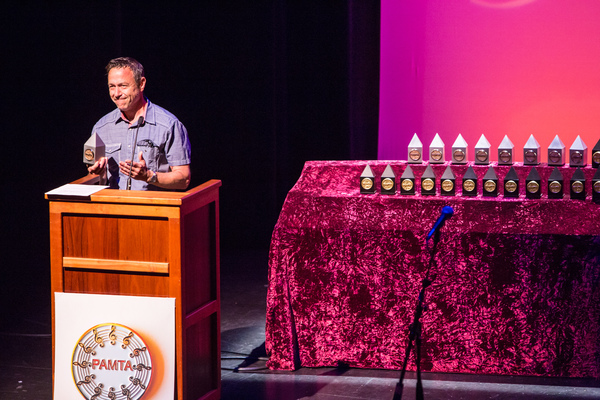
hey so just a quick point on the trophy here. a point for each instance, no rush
(93, 149)
(436, 150)
(490, 183)
(578, 153)
(596, 155)
(415, 150)
(555, 185)
(407, 181)
(428, 182)
(578, 185)
(531, 152)
(459, 151)
(596, 187)
(556, 152)
(469, 182)
(533, 185)
(367, 181)
(482, 151)
(505, 152)
(448, 183)
(388, 181)
(511, 183)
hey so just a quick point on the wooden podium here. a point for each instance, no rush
(143, 243)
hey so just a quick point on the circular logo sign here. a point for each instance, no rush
(459, 155)
(481, 155)
(436, 154)
(110, 361)
(468, 185)
(407, 185)
(505, 156)
(533, 187)
(427, 184)
(510, 186)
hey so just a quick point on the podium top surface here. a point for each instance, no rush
(165, 198)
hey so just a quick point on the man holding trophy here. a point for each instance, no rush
(146, 147)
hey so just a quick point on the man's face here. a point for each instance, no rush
(125, 93)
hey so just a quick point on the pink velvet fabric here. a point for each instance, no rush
(516, 289)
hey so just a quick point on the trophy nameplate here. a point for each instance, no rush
(596, 155)
(469, 182)
(578, 185)
(556, 152)
(367, 181)
(93, 149)
(459, 151)
(448, 183)
(578, 153)
(555, 185)
(596, 187)
(482, 151)
(505, 152)
(415, 150)
(531, 152)
(490, 183)
(428, 182)
(407, 181)
(511, 183)
(436, 150)
(533, 185)
(388, 181)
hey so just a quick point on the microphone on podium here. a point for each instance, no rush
(139, 123)
(447, 213)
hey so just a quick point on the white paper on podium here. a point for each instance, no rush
(152, 318)
(75, 190)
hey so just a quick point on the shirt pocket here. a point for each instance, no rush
(151, 153)
(113, 151)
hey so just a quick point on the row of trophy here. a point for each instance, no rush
(578, 153)
(470, 182)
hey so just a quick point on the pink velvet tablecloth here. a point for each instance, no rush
(517, 287)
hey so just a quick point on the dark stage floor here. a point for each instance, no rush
(25, 357)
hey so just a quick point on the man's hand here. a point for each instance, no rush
(99, 167)
(139, 170)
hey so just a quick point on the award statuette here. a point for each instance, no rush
(93, 149)
(415, 150)
(533, 186)
(459, 151)
(490, 183)
(448, 183)
(578, 153)
(555, 185)
(505, 152)
(482, 151)
(367, 181)
(436, 150)
(578, 185)
(511, 183)
(596, 155)
(596, 187)
(469, 182)
(428, 182)
(531, 152)
(556, 152)
(388, 181)
(407, 181)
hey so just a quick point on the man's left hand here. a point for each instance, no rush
(139, 170)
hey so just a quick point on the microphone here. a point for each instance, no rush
(139, 123)
(447, 213)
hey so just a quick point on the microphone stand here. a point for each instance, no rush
(140, 122)
(415, 329)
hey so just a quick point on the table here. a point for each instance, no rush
(517, 288)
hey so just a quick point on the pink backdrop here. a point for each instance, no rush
(497, 67)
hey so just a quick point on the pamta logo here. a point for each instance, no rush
(111, 362)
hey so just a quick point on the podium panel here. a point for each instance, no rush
(162, 244)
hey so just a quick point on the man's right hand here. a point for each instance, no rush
(99, 167)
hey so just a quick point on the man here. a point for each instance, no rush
(162, 147)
